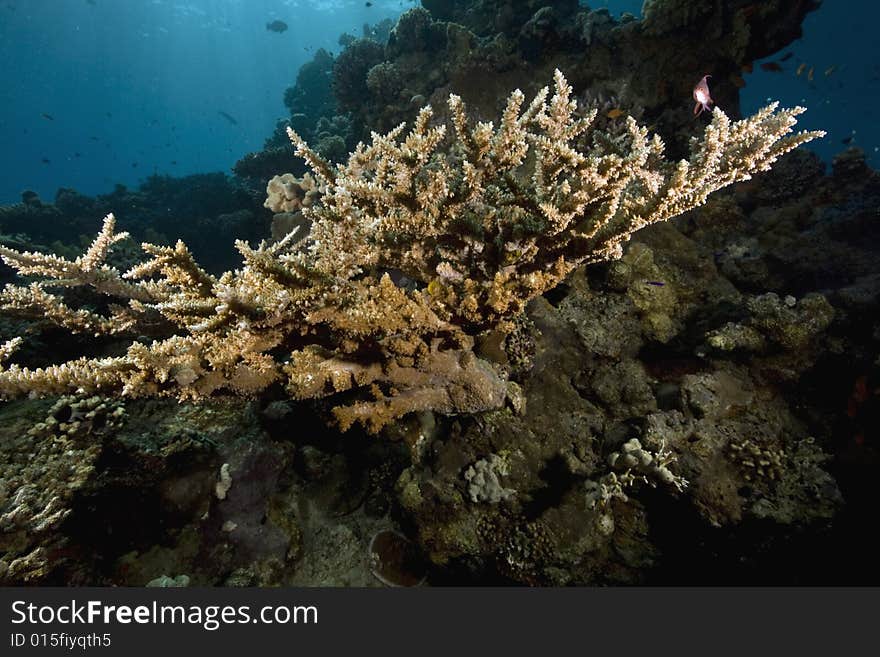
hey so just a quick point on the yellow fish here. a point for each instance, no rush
(616, 113)
(801, 69)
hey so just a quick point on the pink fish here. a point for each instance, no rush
(702, 96)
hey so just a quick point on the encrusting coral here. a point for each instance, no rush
(479, 219)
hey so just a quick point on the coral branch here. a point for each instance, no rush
(479, 219)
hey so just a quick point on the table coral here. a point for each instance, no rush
(481, 218)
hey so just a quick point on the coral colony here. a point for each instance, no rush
(396, 262)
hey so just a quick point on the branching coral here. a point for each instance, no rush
(482, 218)
(490, 218)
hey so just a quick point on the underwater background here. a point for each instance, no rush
(138, 88)
(731, 354)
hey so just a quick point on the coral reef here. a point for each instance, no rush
(485, 222)
(694, 411)
(482, 48)
(310, 97)
(40, 472)
(208, 201)
(350, 72)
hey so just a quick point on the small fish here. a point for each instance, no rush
(173, 161)
(702, 96)
(277, 26)
(846, 141)
(45, 160)
(368, 4)
(772, 67)
(48, 117)
(228, 117)
(738, 81)
(810, 74)
(801, 69)
(747, 68)
(786, 57)
(75, 154)
(830, 70)
(616, 113)
(655, 283)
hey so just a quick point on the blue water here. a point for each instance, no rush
(840, 44)
(136, 87)
(617, 6)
